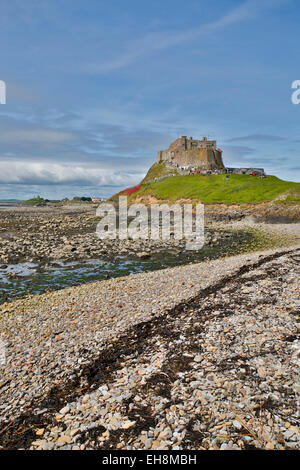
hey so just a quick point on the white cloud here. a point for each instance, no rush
(54, 173)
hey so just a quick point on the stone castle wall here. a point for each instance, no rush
(201, 154)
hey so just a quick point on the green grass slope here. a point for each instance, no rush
(210, 189)
(158, 170)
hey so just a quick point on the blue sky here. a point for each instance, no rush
(95, 89)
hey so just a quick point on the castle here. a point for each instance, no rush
(202, 154)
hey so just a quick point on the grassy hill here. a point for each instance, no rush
(158, 170)
(211, 189)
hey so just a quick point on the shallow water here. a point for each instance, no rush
(17, 280)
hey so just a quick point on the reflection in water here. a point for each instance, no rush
(17, 280)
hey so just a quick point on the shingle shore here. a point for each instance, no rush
(51, 338)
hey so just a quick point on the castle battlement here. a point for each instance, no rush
(190, 143)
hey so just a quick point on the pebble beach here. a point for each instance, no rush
(202, 356)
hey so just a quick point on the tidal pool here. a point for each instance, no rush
(17, 280)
